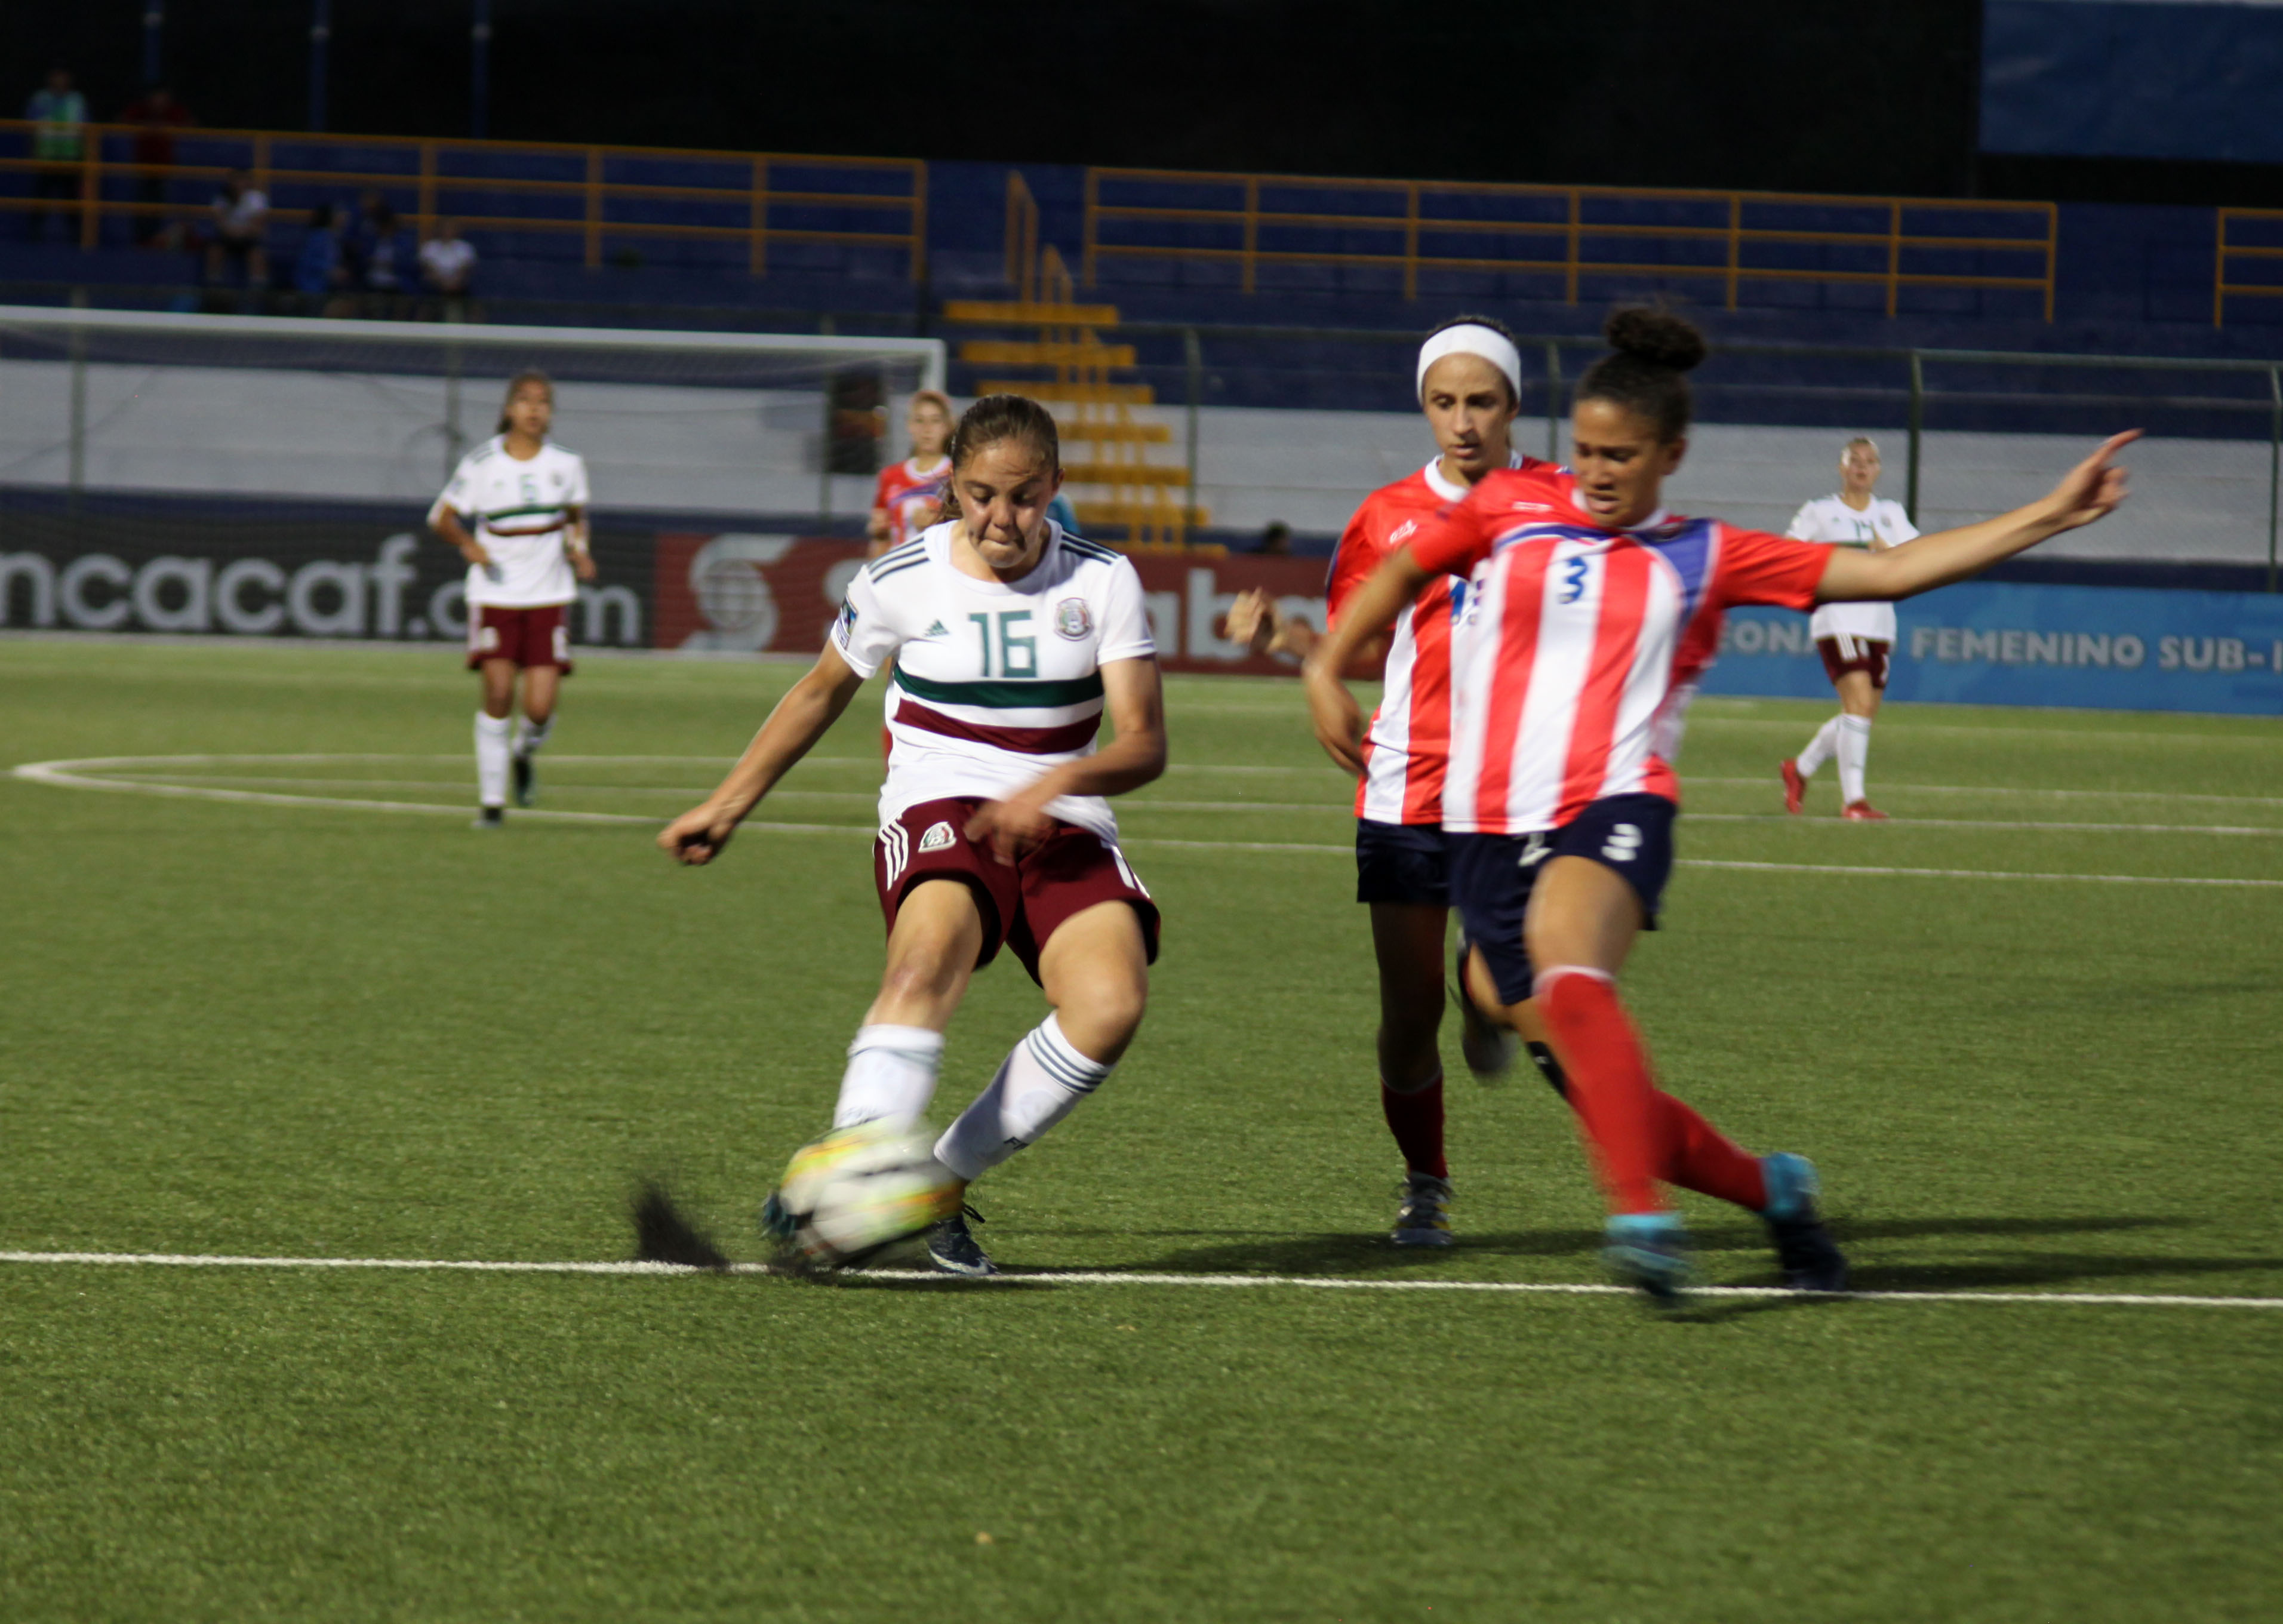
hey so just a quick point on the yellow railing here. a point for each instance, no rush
(422, 178)
(2270, 250)
(1573, 232)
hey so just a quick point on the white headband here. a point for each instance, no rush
(1470, 340)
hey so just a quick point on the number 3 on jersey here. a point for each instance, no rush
(1018, 656)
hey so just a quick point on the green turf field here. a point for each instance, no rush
(292, 1030)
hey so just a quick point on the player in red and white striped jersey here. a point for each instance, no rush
(909, 496)
(1469, 378)
(1582, 597)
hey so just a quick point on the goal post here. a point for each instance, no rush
(254, 475)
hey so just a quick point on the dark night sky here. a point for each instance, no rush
(1872, 97)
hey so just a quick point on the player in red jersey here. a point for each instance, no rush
(909, 496)
(1469, 378)
(1582, 594)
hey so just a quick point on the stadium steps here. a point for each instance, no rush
(1004, 352)
(1075, 393)
(1119, 433)
(1124, 474)
(990, 313)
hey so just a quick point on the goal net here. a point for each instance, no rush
(292, 446)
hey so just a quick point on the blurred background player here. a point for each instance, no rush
(1011, 639)
(1469, 380)
(517, 510)
(909, 496)
(1854, 640)
(1582, 592)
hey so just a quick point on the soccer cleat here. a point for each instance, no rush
(953, 1248)
(1811, 1259)
(1488, 1049)
(1862, 812)
(490, 817)
(1424, 1218)
(777, 1222)
(1794, 785)
(1650, 1251)
(527, 780)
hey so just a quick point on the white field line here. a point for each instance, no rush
(1120, 1277)
(1151, 803)
(60, 775)
(195, 783)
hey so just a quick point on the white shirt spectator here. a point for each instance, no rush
(243, 218)
(448, 262)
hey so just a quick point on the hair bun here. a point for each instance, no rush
(1657, 337)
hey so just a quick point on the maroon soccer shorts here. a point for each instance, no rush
(1023, 902)
(531, 637)
(1846, 652)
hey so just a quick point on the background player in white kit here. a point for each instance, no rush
(1010, 638)
(517, 510)
(1856, 640)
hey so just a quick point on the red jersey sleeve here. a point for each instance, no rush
(1758, 568)
(1354, 560)
(1457, 538)
(883, 496)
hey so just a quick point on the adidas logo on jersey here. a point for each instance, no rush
(937, 838)
(936, 631)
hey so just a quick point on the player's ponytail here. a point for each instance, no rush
(992, 419)
(1648, 375)
(529, 375)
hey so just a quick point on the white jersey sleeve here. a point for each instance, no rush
(1125, 633)
(1802, 525)
(860, 632)
(458, 495)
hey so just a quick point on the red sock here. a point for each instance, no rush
(1609, 1085)
(1416, 1121)
(1699, 1157)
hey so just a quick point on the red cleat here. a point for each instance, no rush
(1862, 812)
(1795, 787)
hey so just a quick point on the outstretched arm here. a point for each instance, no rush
(2088, 492)
(812, 705)
(1134, 697)
(1339, 721)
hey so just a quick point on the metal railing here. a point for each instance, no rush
(2270, 250)
(751, 199)
(1858, 387)
(1570, 232)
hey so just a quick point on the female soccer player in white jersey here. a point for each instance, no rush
(517, 510)
(1854, 640)
(1010, 637)
(1469, 381)
(1581, 596)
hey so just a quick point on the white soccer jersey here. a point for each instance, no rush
(995, 682)
(518, 509)
(1829, 519)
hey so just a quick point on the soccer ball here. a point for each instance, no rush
(857, 1191)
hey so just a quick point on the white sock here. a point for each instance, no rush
(891, 1074)
(491, 760)
(531, 735)
(1039, 1083)
(1854, 753)
(1820, 747)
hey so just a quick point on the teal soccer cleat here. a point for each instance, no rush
(1811, 1259)
(1650, 1251)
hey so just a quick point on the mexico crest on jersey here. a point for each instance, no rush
(1071, 619)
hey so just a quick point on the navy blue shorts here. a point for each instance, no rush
(1402, 862)
(1491, 875)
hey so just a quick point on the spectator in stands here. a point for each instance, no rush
(156, 116)
(321, 274)
(59, 145)
(448, 265)
(1276, 540)
(241, 230)
(370, 248)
